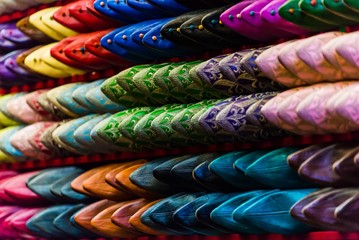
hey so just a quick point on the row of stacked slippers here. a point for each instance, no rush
(78, 118)
(252, 192)
(216, 213)
(152, 31)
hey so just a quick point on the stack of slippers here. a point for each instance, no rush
(245, 118)
(327, 165)
(252, 192)
(316, 109)
(86, 36)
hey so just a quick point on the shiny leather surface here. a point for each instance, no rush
(192, 29)
(300, 18)
(93, 46)
(136, 222)
(77, 52)
(277, 206)
(62, 222)
(110, 177)
(29, 29)
(123, 179)
(42, 224)
(83, 14)
(102, 222)
(103, 8)
(108, 43)
(64, 17)
(57, 51)
(171, 30)
(84, 217)
(124, 39)
(37, 21)
(186, 215)
(147, 8)
(123, 214)
(321, 13)
(143, 178)
(97, 185)
(270, 14)
(17, 221)
(128, 13)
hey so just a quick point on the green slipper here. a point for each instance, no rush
(143, 129)
(291, 12)
(109, 130)
(183, 122)
(162, 80)
(352, 4)
(339, 8)
(144, 81)
(165, 134)
(181, 79)
(317, 10)
(125, 80)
